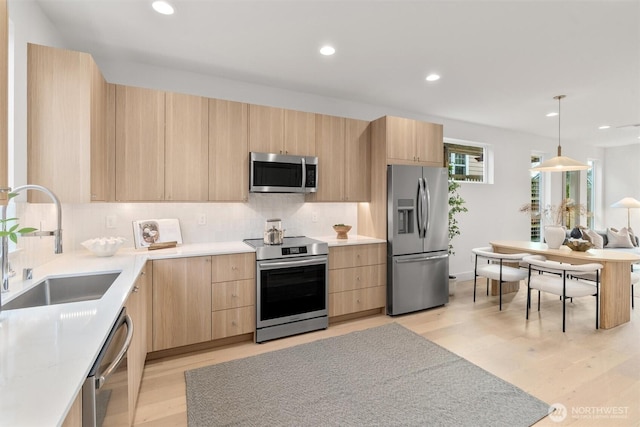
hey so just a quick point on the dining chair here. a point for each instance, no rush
(497, 268)
(561, 279)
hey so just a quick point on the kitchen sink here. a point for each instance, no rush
(62, 290)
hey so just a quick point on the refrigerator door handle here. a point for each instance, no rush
(428, 258)
(427, 215)
(421, 209)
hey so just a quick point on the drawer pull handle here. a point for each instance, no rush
(358, 278)
(234, 323)
(234, 295)
(136, 289)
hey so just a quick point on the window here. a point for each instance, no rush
(536, 190)
(467, 161)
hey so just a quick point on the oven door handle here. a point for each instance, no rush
(268, 265)
(102, 377)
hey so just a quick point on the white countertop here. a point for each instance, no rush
(46, 352)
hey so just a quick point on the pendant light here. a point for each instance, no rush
(559, 163)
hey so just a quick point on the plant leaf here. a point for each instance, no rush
(26, 230)
(13, 237)
(13, 228)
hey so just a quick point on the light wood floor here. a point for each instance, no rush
(591, 372)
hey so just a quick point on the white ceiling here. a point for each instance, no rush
(501, 62)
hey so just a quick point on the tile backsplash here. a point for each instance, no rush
(224, 221)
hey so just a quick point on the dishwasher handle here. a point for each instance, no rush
(102, 376)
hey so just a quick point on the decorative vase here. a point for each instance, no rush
(554, 235)
(342, 231)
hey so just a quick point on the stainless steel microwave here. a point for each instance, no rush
(279, 173)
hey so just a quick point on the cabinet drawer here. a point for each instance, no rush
(234, 294)
(357, 255)
(347, 279)
(235, 321)
(357, 300)
(225, 268)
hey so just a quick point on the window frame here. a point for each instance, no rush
(487, 161)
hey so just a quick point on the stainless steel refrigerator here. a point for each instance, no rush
(418, 238)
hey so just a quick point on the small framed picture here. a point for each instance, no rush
(149, 231)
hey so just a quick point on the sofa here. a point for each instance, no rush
(624, 240)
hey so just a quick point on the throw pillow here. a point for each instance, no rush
(576, 233)
(594, 238)
(618, 239)
(632, 236)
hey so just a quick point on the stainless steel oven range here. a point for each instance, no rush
(291, 287)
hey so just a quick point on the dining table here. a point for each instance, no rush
(615, 277)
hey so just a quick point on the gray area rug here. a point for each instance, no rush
(384, 376)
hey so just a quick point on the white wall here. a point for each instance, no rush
(621, 180)
(493, 208)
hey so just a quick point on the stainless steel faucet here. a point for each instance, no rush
(57, 233)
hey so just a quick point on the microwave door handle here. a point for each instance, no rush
(304, 173)
(102, 377)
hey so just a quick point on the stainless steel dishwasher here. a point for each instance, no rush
(105, 393)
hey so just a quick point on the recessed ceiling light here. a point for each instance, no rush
(432, 77)
(162, 7)
(604, 127)
(552, 114)
(327, 50)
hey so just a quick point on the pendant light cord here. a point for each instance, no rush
(559, 97)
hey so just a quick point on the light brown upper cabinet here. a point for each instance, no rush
(186, 147)
(357, 161)
(66, 119)
(343, 150)
(228, 151)
(140, 128)
(4, 58)
(413, 142)
(280, 131)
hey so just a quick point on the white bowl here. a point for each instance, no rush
(104, 246)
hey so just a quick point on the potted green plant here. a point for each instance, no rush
(456, 206)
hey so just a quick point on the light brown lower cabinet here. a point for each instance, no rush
(181, 302)
(357, 278)
(137, 310)
(74, 416)
(200, 299)
(233, 302)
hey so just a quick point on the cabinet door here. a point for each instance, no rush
(228, 151)
(238, 293)
(348, 302)
(357, 161)
(429, 144)
(401, 137)
(357, 255)
(103, 140)
(236, 321)
(181, 302)
(331, 155)
(300, 133)
(266, 129)
(226, 268)
(59, 123)
(186, 147)
(139, 144)
(137, 310)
